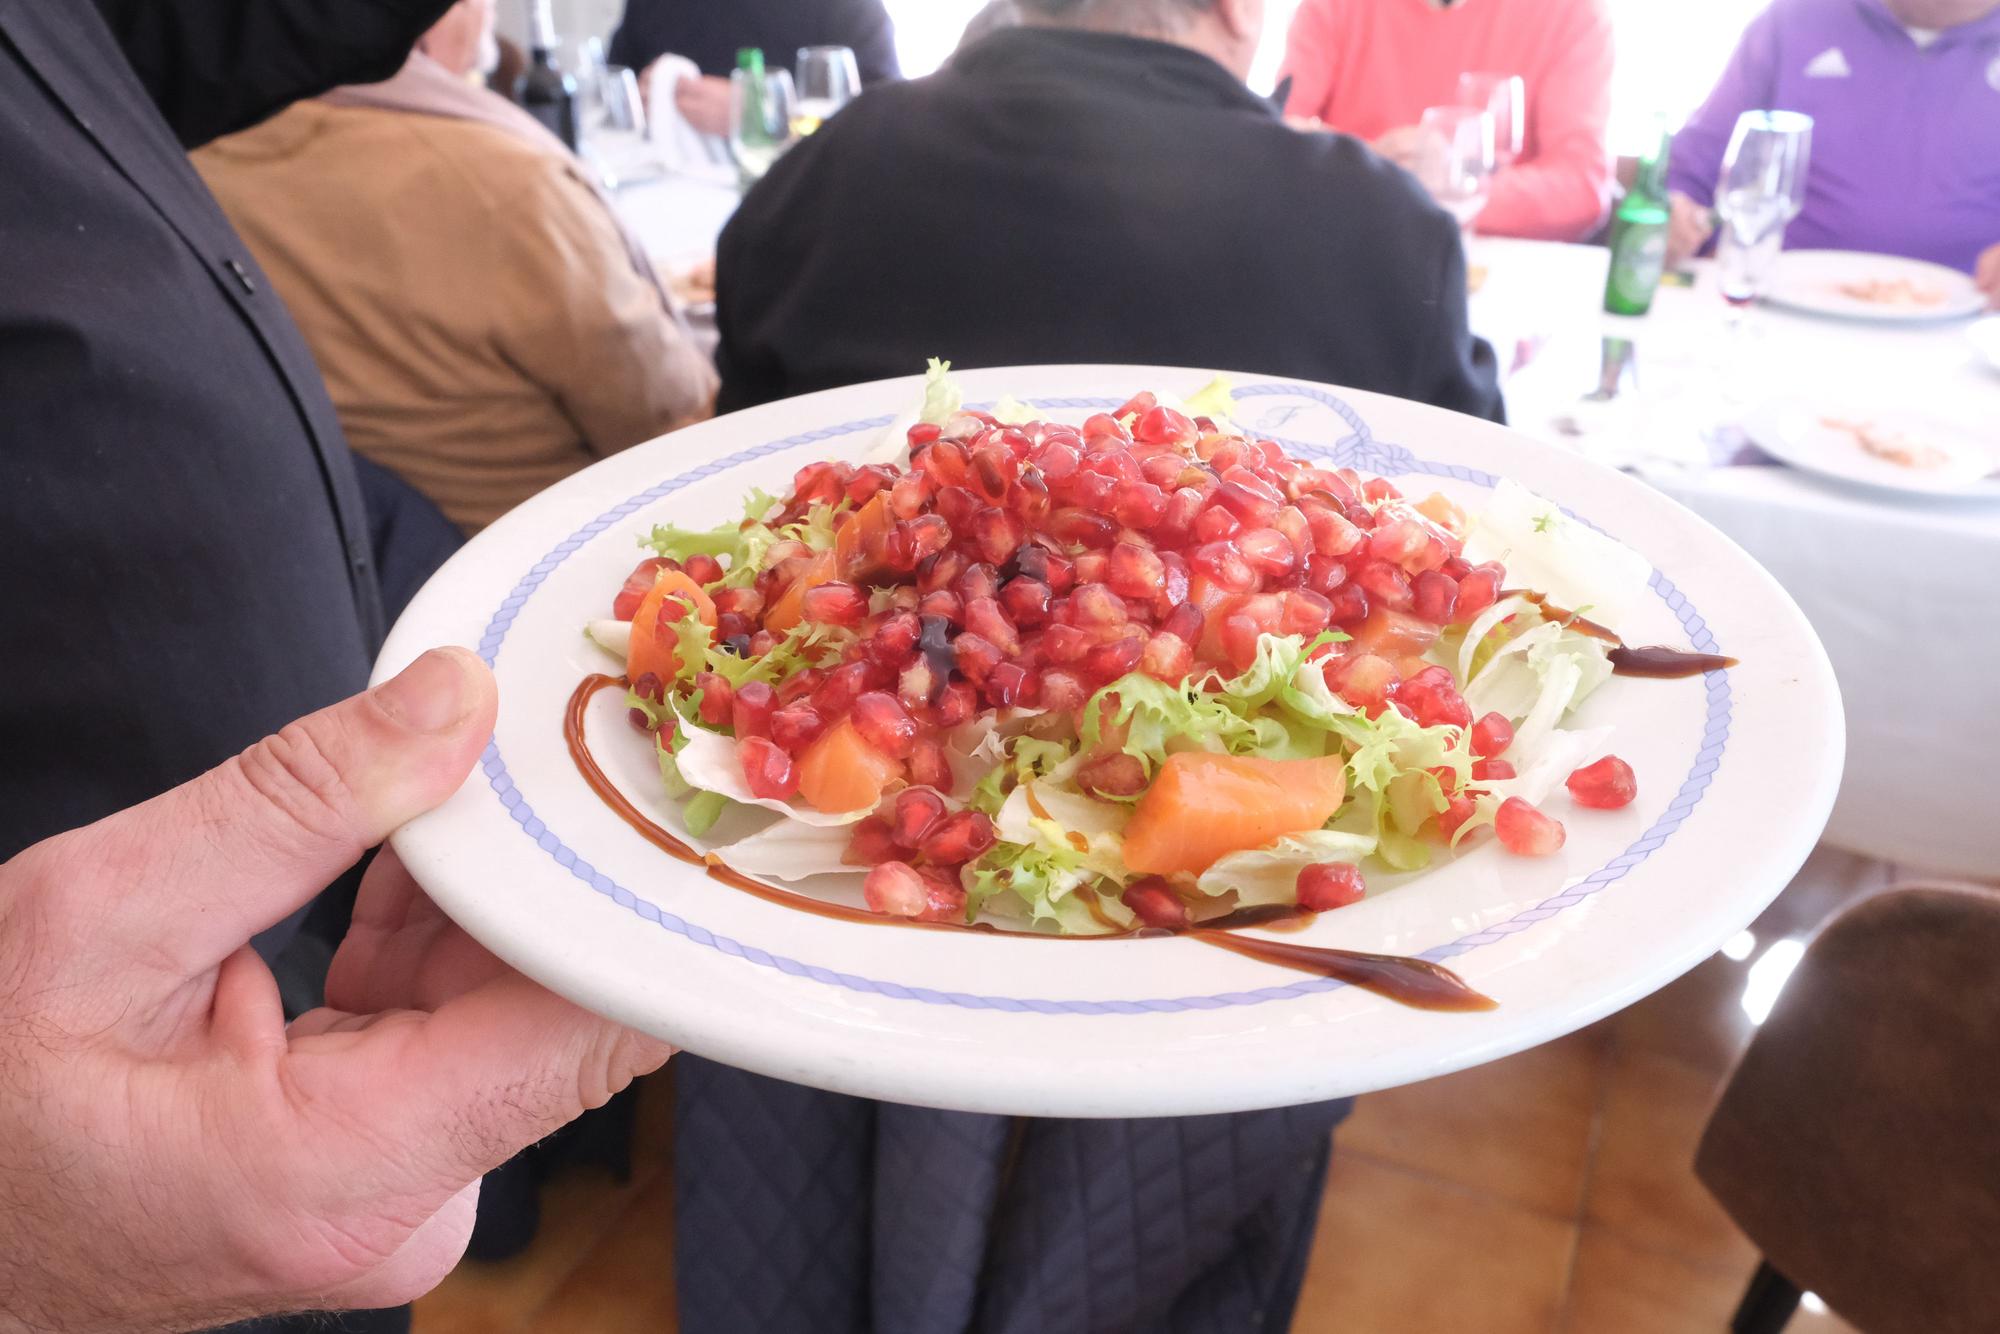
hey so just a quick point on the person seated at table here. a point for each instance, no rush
(709, 33)
(1095, 185)
(1370, 68)
(484, 324)
(1905, 101)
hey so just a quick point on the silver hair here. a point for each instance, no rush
(1127, 15)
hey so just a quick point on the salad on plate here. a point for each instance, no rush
(1144, 671)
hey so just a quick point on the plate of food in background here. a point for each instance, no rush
(1855, 285)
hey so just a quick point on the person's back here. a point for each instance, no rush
(1056, 195)
(482, 329)
(710, 32)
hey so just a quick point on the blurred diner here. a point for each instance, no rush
(1372, 68)
(1904, 97)
(485, 322)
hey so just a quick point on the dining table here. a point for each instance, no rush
(1903, 589)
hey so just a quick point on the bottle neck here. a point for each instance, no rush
(542, 25)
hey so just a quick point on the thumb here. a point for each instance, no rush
(196, 872)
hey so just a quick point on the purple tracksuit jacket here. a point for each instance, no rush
(1906, 138)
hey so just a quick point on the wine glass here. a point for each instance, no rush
(615, 128)
(1506, 97)
(1455, 159)
(828, 80)
(760, 120)
(1763, 187)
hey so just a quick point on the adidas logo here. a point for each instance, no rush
(1828, 64)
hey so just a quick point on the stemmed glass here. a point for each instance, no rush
(828, 79)
(615, 134)
(1505, 97)
(760, 120)
(1762, 189)
(1455, 159)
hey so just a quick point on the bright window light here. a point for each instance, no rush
(1669, 56)
(1768, 977)
(1739, 946)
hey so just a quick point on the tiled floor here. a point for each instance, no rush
(1549, 1193)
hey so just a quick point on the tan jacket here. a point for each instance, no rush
(472, 304)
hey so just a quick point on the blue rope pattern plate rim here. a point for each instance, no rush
(1359, 449)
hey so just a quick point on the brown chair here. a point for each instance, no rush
(1858, 1142)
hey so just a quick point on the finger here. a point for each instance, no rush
(188, 877)
(463, 1089)
(417, 1266)
(401, 952)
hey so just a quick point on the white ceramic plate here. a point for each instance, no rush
(1985, 337)
(1947, 459)
(1737, 772)
(1911, 291)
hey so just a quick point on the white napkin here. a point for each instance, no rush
(679, 145)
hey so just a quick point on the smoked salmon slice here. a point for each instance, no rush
(1202, 807)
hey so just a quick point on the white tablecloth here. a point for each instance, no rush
(1905, 592)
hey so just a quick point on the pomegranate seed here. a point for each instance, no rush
(1185, 620)
(1214, 524)
(1091, 491)
(1525, 831)
(750, 710)
(739, 602)
(1223, 563)
(835, 603)
(1137, 405)
(1062, 692)
(1163, 469)
(944, 896)
(1115, 775)
(717, 697)
(977, 656)
(1433, 702)
(1057, 460)
(895, 639)
(983, 617)
(767, 769)
(956, 505)
(1163, 426)
(1026, 600)
(942, 606)
(1332, 534)
(1064, 644)
(801, 685)
(960, 837)
(917, 684)
(843, 686)
(1061, 574)
(1239, 640)
(1491, 735)
(896, 890)
(1138, 504)
(1135, 571)
(1109, 661)
(885, 724)
(930, 766)
(947, 463)
(1461, 809)
(1476, 592)
(1030, 499)
(1167, 657)
(637, 584)
(649, 686)
(956, 704)
(994, 468)
(1092, 566)
(703, 569)
(916, 812)
(1094, 604)
(1306, 614)
(1175, 587)
(920, 539)
(871, 843)
(1350, 604)
(641, 720)
(796, 726)
(910, 496)
(1177, 520)
(1434, 597)
(1605, 785)
(1269, 552)
(924, 432)
(1252, 499)
(995, 534)
(729, 625)
(760, 643)
(1155, 904)
(1082, 527)
(1324, 886)
(1492, 771)
(1365, 681)
(1379, 489)
(1008, 686)
(1385, 585)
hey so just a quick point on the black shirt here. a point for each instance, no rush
(183, 553)
(711, 32)
(1062, 196)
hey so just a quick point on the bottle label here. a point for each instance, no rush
(1638, 259)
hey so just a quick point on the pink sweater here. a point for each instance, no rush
(1369, 66)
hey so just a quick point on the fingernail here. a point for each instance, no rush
(429, 695)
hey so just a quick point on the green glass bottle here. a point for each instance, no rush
(1639, 234)
(752, 140)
